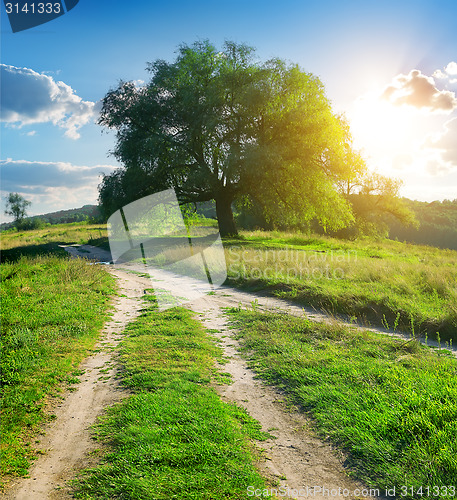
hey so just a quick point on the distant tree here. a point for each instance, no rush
(16, 206)
(438, 224)
(375, 201)
(28, 224)
(221, 126)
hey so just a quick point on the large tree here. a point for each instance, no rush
(221, 126)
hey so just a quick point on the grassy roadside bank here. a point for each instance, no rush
(52, 311)
(46, 241)
(388, 283)
(173, 437)
(390, 404)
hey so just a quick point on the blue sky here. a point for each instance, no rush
(365, 52)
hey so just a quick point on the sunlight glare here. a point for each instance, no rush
(381, 128)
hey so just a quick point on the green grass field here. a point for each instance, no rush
(390, 404)
(387, 283)
(173, 437)
(52, 311)
(383, 282)
(47, 240)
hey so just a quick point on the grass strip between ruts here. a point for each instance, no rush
(173, 437)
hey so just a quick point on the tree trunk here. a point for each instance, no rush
(225, 215)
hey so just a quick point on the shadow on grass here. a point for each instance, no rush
(100, 243)
(14, 254)
(50, 248)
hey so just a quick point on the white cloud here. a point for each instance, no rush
(451, 68)
(448, 75)
(436, 168)
(419, 91)
(29, 97)
(52, 186)
(439, 74)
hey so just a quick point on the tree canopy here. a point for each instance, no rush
(16, 206)
(220, 125)
(375, 204)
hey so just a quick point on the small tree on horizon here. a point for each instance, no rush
(16, 206)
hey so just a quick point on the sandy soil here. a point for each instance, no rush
(296, 458)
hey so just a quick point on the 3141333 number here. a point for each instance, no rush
(34, 8)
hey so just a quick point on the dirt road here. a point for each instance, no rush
(296, 458)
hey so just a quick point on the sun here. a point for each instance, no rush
(379, 125)
(383, 131)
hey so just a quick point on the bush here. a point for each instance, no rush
(30, 224)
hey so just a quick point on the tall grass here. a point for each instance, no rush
(52, 311)
(385, 282)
